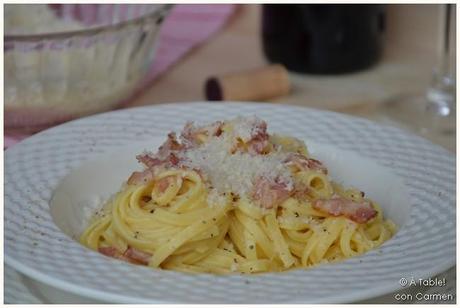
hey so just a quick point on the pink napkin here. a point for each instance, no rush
(186, 27)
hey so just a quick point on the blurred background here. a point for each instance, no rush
(365, 60)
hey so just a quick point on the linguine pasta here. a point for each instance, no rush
(229, 197)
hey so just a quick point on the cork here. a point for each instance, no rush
(252, 85)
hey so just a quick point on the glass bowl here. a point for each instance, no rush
(67, 61)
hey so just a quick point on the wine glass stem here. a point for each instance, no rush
(441, 93)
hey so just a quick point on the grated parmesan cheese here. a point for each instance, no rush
(236, 172)
(215, 198)
(244, 127)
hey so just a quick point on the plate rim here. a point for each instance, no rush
(109, 297)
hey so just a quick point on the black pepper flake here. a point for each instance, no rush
(212, 234)
(251, 246)
(324, 229)
(214, 219)
(235, 197)
(362, 194)
(296, 214)
(151, 211)
(251, 269)
(235, 260)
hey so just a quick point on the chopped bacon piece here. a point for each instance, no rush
(131, 255)
(170, 160)
(137, 256)
(148, 160)
(256, 146)
(170, 145)
(270, 193)
(360, 212)
(109, 251)
(304, 163)
(190, 133)
(113, 253)
(141, 177)
(219, 130)
(166, 154)
(164, 183)
(215, 129)
(165, 157)
(258, 141)
(302, 191)
(173, 159)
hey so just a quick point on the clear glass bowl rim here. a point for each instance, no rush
(160, 13)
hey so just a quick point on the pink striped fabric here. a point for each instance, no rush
(186, 27)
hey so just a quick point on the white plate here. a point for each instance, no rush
(20, 289)
(413, 180)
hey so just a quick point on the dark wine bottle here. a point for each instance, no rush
(323, 38)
